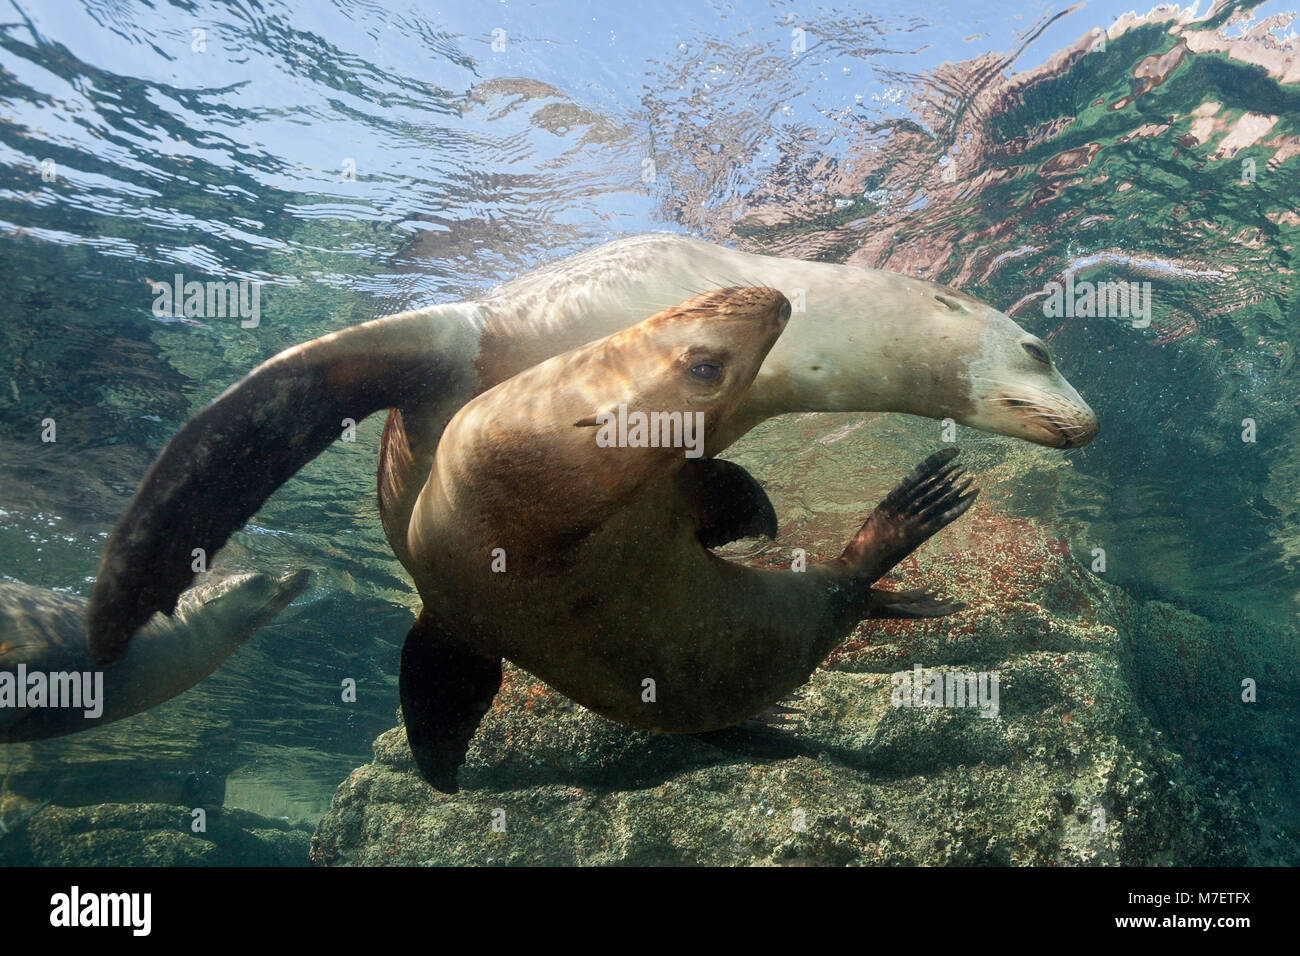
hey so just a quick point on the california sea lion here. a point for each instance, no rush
(867, 341)
(607, 582)
(45, 632)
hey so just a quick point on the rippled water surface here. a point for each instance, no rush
(360, 158)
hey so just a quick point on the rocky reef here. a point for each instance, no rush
(149, 834)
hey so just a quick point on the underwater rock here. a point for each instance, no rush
(1072, 770)
(150, 834)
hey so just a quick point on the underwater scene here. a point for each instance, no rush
(734, 433)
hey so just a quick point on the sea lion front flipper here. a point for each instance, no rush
(445, 692)
(216, 472)
(729, 503)
(919, 602)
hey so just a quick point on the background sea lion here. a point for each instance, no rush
(46, 631)
(868, 341)
(607, 582)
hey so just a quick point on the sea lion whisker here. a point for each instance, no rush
(1063, 422)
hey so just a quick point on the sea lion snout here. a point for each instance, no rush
(1051, 418)
(771, 306)
(1078, 427)
(1017, 390)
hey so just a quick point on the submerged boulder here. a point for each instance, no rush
(149, 834)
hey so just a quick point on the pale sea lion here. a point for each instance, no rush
(45, 632)
(608, 583)
(867, 341)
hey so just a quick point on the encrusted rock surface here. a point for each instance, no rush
(150, 834)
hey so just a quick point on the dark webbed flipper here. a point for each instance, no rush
(228, 459)
(920, 602)
(445, 693)
(771, 734)
(920, 505)
(728, 502)
(780, 716)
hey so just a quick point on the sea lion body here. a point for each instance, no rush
(638, 600)
(45, 631)
(514, 472)
(866, 341)
(608, 591)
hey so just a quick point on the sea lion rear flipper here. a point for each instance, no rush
(229, 458)
(770, 733)
(445, 692)
(920, 602)
(729, 503)
(785, 713)
(928, 499)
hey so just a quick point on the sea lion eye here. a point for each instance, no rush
(706, 371)
(1037, 352)
(785, 311)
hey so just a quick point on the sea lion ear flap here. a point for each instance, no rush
(727, 501)
(229, 458)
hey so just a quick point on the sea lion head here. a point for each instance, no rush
(887, 342)
(1017, 390)
(701, 355)
(241, 603)
(583, 434)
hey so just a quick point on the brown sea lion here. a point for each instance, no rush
(866, 340)
(586, 562)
